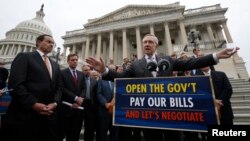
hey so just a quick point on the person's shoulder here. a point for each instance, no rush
(79, 73)
(22, 54)
(22, 57)
(25, 54)
(165, 57)
(219, 72)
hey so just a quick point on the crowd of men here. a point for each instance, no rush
(49, 104)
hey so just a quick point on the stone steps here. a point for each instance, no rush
(243, 118)
(241, 109)
(236, 103)
(241, 101)
(239, 83)
(241, 123)
(242, 96)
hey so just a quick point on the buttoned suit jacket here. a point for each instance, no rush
(223, 91)
(104, 92)
(31, 83)
(70, 90)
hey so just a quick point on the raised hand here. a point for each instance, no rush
(226, 53)
(97, 64)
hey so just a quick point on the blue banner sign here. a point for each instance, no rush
(4, 102)
(177, 103)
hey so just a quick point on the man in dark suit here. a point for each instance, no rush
(90, 106)
(223, 92)
(36, 84)
(105, 95)
(138, 69)
(71, 117)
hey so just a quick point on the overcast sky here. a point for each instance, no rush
(67, 15)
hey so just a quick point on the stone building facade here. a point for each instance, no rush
(118, 34)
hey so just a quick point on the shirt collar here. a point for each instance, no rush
(208, 72)
(40, 52)
(71, 70)
(148, 58)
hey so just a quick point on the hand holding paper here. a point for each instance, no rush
(70, 104)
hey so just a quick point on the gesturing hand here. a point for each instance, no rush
(226, 53)
(97, 64)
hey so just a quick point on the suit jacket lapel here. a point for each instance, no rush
(39, 59)
(53, 66)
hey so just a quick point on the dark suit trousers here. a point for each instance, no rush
(70, 124)
(39, 129)
(105, 125)
(90, 121)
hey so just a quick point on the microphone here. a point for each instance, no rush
(151, 66)
(163, 65)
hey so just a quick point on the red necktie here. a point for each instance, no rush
(74, 77)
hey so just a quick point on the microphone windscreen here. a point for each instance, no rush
(163, 65)
(151, 66)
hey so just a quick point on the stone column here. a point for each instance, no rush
(31, 48)
(138, 43)
(19, 49)
(210, 32)
(15, 49)
(104, 52)
(183, 33)
(11, 50)
(64, 53)
(220, 33)
(168, 39)
(87, 48)
(99, 42)
(6, 46)
(151, 27)
(6, 49)
(83, 50)
(93, 49)
(115, 51)
(128, 48)
(73, 49)
(124, 44)
(1, 50)
(25, 48)
(111, 45)
(227, 33)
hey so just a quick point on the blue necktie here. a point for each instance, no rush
(87, 88)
